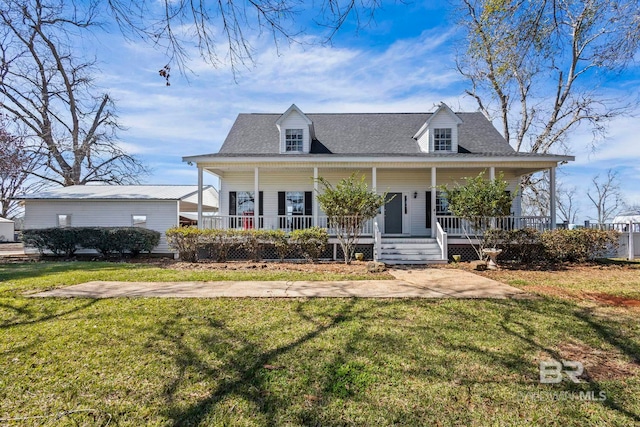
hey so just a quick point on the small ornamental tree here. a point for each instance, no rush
(478, 202)
(349, 205)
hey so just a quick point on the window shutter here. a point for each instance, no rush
(260, 203)
(232, 202)
(282, 204)
(428, 209)
(308, 203)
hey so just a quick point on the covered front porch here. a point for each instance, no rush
(280, 195)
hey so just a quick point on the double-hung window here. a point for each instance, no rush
(442, 139)
(295, 202)
(293, 140)
(245, 203)
(442, 204)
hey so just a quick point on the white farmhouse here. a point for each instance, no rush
(269, 163)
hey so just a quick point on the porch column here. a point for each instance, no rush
(433, 201)
(492, 173)
(632, 250)
(256, 198)
(552, 196)
(200, 224)
(315, 193)
(374, 178)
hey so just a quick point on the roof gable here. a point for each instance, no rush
(291, 110)
(442, 109)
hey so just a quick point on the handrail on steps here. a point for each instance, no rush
(441, 237)
(377, 240)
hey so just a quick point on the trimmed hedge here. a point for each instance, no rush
(189, 240)
(310, 241)
(529, 245)
(106, 240)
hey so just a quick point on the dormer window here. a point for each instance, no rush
(442, 139)
(294, 140)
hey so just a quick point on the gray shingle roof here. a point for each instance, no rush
(366, 133)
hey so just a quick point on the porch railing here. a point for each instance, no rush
(274, 222)
(377, 241)
(441, 238)
(456, 226)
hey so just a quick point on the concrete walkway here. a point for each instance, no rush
(424, 283)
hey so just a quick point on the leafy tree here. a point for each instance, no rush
(349, 205)
(478, 202)
(47, 87)
(541, 68)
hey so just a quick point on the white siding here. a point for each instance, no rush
(295, 121)
(273, 181)
(7, 231)
(407, 181)
(440, 120)
(161, 215)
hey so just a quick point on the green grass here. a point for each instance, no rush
(39, 276)
(617, 278)
(329, 362)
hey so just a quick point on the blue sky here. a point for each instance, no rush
(402, 62)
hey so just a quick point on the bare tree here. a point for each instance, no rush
(567, 203)
(15, 165)
(48, 88)
(538, 67)
(223, 30)
(606, 196)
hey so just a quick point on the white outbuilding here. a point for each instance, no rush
(7, 230)
(156, 207)
(623, 218)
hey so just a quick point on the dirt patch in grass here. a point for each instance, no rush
(613, 300)
(599, 365)
(356, 267)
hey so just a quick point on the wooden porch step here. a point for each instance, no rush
(410, 251)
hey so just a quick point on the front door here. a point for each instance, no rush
(393, 214)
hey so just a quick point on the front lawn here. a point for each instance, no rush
(40, 276)
(329, 362)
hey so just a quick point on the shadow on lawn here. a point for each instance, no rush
(605, 330)
(243, 373)
(34, 313)
(244, 365)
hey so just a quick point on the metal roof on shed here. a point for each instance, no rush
(119, 192)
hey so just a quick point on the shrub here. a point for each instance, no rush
(578, 245)
(252, 241)
(280, 242)
(60, 241)
(134, 240)
(106, 240)
(186, 241)
(310, 241)
(529, 245)
(220, 242)
(523, 245)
